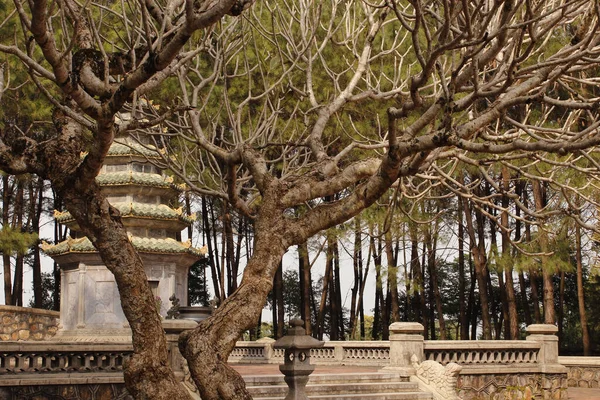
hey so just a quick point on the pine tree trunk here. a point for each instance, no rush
(357, 268)
(480, 273)
(472, 305)
(339, 314)
(213, 257)
(35, 227)
(419, 281)
(522, 284)
(305, 286)
(17, 291)
(547, 269)
(561, 302)
(585, 335)
(324, 292)
(278, 311)
(6, 195)
(533, 276)
(377, 323)
(431, 242)
(394, 305)
(513, 320)
(333, 304)
(59, 235)
(230, 258)
(462, 311)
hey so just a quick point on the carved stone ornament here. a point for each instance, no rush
(434, 377)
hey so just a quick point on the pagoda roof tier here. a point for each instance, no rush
(136, 178)
(132, 149)
(165, 246)
(155, 215)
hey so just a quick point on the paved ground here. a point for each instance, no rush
(584, 394)
(273, 369)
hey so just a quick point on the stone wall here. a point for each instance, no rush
(513, 386)
(72, 392)
(22, 323)
(583, 372)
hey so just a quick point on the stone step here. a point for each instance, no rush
(348, 387)
(265, 380)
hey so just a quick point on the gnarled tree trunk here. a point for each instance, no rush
(207, 347)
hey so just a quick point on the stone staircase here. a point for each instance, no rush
(350, 386)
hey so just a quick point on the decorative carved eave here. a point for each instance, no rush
(161, 215)
(136, 178)
(163, 246)
(120, 149)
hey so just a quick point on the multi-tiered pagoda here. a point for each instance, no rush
(90, 304)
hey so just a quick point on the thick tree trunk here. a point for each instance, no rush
(147, 374)
(208, 346)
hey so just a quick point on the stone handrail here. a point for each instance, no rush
(19, 357)
(482, 352)
(375, 353)
(56, 357)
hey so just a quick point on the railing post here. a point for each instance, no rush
(338, 352)
(406, 340)
(267, 343)
(173, 327)
(545, 335)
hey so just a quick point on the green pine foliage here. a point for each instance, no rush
(14, 242)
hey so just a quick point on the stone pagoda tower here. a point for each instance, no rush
(90, 304)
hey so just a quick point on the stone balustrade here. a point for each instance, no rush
(359, 353)
(20, 323)
(58, 357)
(488, 369)
(482, 352)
